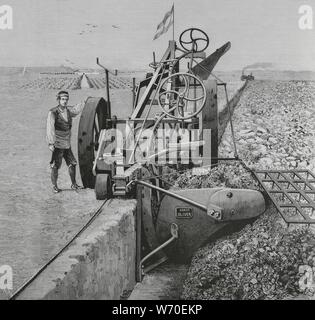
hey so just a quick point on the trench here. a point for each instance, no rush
(165, 282)
(100, 262)
(85, 83)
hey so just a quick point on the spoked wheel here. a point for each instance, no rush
(92, 121)
(194, 39)
(103, 186)
(178, 103)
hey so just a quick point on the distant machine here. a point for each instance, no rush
(248, 77)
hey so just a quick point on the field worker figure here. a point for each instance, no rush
(59, 123)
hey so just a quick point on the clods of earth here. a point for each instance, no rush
(274, 125)
(274, 128)
(265, 260)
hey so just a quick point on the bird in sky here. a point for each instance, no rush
(88, 29)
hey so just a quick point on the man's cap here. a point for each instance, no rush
(62, 94)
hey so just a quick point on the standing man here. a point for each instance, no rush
(59, 123)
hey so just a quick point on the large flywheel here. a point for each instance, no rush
(92, 121)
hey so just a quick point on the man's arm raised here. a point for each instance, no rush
(75, 110)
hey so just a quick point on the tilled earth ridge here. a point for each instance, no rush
(265, 260)
(274, 126)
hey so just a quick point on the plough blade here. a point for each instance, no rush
(218, 208)
(239, 204)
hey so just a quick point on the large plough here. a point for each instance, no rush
(174, 123)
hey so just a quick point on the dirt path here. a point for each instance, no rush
(34, 222)
(84, 82)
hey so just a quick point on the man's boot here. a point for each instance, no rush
(54, 178)
(74, 184)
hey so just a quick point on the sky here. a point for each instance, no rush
(47, 32)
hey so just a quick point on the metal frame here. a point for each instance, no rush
(290, 190)
(206, 122)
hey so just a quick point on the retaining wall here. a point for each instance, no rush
(99, 264)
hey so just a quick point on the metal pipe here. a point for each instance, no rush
(133, 92)
(107, 82)
(167, 120)
(138, 232)
(107, 87)
(231, 123)
(174, 233)
(174, 195)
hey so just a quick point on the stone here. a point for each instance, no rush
(303, 164)
(266, 161)
(249, 135)
(273, 140)
(262, 149)
(261, 130)
(242, 141)
(259, 140)
(251, 141)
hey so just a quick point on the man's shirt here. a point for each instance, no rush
(61, 139)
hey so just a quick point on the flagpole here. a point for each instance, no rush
(173, 21)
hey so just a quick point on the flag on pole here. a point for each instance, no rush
(167, 21)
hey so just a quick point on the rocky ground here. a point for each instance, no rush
(263, 261)
(274, 128)
(274, 125)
